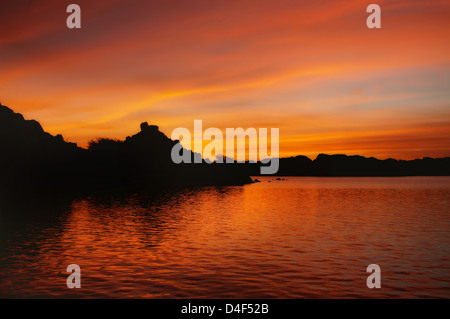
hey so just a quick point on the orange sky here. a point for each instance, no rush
(311, 68)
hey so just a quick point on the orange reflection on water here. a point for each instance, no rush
(304, 237)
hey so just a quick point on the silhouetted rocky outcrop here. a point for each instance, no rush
(31, 157)
(144, 161)
(33, 160)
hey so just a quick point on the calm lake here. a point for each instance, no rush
(303, 237)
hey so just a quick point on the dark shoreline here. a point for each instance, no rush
(35, 163)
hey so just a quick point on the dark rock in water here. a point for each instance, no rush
(278, 179)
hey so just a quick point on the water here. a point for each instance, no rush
(298, 238)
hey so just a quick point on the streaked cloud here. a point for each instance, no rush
(313, 69)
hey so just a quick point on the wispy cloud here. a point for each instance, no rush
(311, 68)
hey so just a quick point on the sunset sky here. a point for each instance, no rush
(311, 68)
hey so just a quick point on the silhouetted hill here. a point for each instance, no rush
(144, 160)
(33, 160)
(344, 165)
